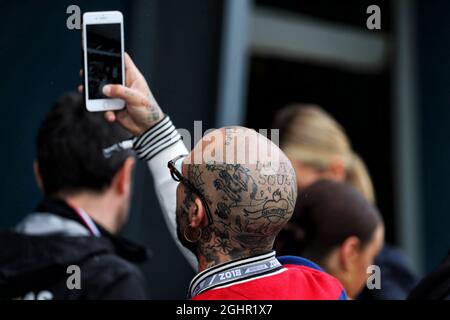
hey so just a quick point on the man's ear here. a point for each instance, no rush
(123, 179)
(349, 252)
(37, 176)
(197, 214)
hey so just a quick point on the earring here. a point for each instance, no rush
(192, 235)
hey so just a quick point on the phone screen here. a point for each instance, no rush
(104, 61)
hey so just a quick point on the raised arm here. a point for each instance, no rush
(157, 141)
(157, 147)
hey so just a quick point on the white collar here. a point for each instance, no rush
(234, 271)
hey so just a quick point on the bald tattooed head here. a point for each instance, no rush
(249, 187)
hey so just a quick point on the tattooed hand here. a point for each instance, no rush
(142, 111)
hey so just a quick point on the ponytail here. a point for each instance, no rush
(358, 176)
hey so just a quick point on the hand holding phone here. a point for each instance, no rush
(123, 93)
(142, 111)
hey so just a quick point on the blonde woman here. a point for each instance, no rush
(319, 148)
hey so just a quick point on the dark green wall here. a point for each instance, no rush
(434, 83)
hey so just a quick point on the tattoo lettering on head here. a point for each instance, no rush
(249, 207)
(274, 210)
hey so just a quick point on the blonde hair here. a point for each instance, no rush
(313, 137)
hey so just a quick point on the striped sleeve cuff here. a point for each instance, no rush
(156, 139)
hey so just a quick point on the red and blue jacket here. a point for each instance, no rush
(266, 277)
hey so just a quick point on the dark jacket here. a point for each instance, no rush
(397, 277)
(436, 285)
(34, 259)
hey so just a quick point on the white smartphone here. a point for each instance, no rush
(103, 51)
